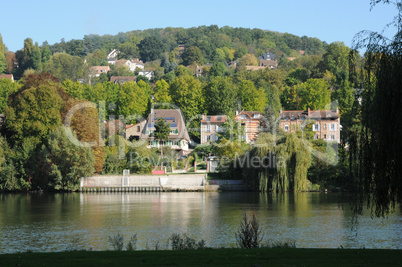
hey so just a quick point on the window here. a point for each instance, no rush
(138, 128)
(208, 128)
(316, 136)
(325, 136)
(333, 127)
(208, 138)
(316, 127)
(286, 128)
(332, 137)
(325, 126)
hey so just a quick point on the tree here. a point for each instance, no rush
(133, 99)
(218, 69)
(85, 123)
(191, 55)
(151, 48)
(7, 87)
(249, 60)
(128, 50)
(3, 63)
(11, 61)
(36, 57)
(64, 66)
(376, 146)
(162, 94)
(186, 92)
(161, 133)
(46, 53)
(221, 96)
(8, 173)
(252, 99)
(34, 110)
(62, 163)
(314, 94)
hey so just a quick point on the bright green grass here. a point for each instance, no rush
(211, 257)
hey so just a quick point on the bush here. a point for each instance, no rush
(249, 234)
(117, 242)
(182, 241)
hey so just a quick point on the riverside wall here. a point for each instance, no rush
(156, 183)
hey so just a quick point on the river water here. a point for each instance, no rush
(58, 222)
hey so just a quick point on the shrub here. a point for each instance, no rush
(249, 234)
(182, 241)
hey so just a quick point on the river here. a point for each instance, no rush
(58, 222)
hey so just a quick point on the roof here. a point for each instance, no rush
(172, 116)
(100, 69)
(268, 62)
(7, 76)
(136, 60)
(309, 114)
(122, 79)
(121, 62)
(213, 119)
(128, 126)
(250, 114)
(255, 67)
(268, 56)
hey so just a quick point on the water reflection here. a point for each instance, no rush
(54, 222)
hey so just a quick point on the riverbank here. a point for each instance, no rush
(211, 257)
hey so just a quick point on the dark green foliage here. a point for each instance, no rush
(62, 163)
(151, 48)
(192, 55)
(376, 146)
(162, 129)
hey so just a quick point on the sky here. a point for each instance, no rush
(328, 20)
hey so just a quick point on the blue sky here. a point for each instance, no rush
(327, 20)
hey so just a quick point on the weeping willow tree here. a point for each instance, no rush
(278, 163)
(376, 144)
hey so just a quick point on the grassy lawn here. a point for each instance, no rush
(211, 257)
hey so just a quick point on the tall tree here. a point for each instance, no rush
(315, 94)
(161, 133)
(62, 164)
(376, 146)
(252, 99)
(221, 96)
(151, 48)
(191, 55)
(34, 110)
(162, 94)
(64, 66)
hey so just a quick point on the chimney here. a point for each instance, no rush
(308, 112)
(237, 112)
